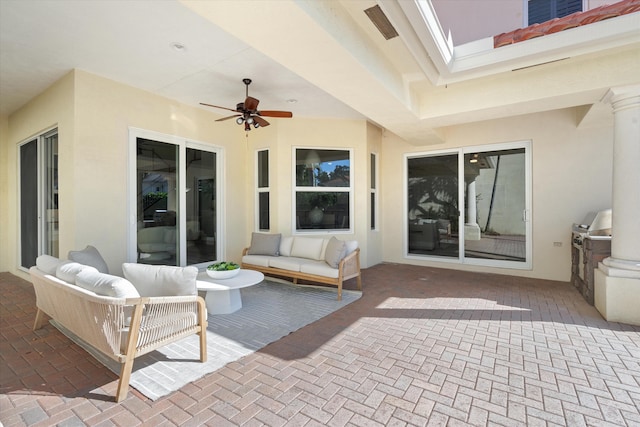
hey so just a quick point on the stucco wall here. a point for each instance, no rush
(94, 116)
(571, 173)
(52, 108)
(470, 20)
(571, 170)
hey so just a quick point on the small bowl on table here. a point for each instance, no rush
(223, 270)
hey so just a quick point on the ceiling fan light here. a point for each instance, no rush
(240, 120)
(256, 125)
(250, 120)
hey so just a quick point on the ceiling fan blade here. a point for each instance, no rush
(273, 113)
(262, 122)
(216, 106)
(229, 117)
(250, 104)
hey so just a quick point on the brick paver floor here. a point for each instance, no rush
(423, 346)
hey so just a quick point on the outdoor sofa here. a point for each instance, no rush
(122, 318)
(323, 260)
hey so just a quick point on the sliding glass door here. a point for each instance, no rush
(496, 205)
(176, 196)
(38, 161)
(433, 205)
(471, 205)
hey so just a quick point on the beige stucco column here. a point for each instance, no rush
(617, 279)
(471, 227)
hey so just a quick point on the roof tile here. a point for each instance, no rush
(571, 21)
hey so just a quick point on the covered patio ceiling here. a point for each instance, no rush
(325, 55)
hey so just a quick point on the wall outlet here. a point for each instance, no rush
(557, 244)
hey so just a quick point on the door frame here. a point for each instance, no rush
(527, 214)
(182, 144)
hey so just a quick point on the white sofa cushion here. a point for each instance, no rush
(161, 280)
(265, 244)
(287, 263)
(261, 260)
(105, 284)
(48, 264)
(286, 242)
(307, 247)
(334, 252)
(89, 256)
(68, 270)
(319, 268)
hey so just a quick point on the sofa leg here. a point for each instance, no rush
(359, 282)
(40, 320)
(125, 376)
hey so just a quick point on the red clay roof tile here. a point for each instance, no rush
(571, 21)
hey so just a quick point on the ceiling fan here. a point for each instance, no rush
(248, 113)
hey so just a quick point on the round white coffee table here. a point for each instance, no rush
(223, 295)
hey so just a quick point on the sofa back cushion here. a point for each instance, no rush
(286, 243)
(89, 256)
(307, 247)
(105, 284)
(265, 244)
(334, 252)
(161, 280)
(68, 270)
(48, 264)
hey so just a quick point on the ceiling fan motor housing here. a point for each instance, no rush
(249, 114)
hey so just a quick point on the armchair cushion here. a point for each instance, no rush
(161, 280)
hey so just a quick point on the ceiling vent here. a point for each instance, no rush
(380, 20)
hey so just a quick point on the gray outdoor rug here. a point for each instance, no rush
(270, 311)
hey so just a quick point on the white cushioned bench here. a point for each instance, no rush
(324, 260)
(122, 318)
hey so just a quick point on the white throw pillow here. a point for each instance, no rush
(265, 244)
(161, 280)
(47, 264)
(89, 256)
(350, 246)
(68, 270)
(335, 252)
(307, 247)
(105, 284)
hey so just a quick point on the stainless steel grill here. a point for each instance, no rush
(594, 224)
(591, 243)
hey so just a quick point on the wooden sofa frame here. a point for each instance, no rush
(101, 320)
(348, 268)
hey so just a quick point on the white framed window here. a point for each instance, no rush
(323, 192)
(38, 205)
(373, 196)
(262, 191)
